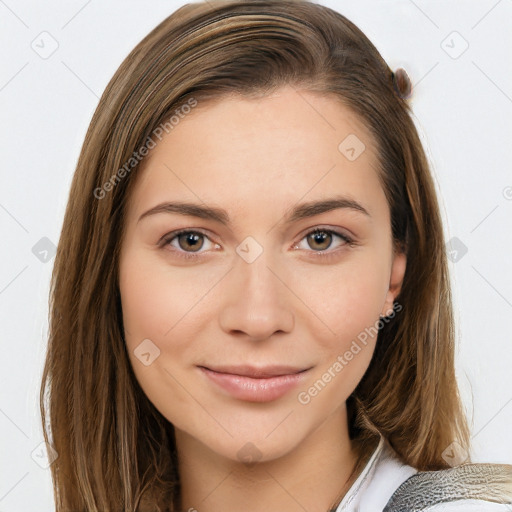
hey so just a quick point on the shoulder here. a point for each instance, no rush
(388, 485)
(478, 487)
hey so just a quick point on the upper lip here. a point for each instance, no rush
(257, 372)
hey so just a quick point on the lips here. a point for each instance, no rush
(254, 372)
(253, 384)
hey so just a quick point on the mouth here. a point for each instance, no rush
(256, 373)
(252, 384)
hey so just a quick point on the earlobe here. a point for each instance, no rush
(395, 282)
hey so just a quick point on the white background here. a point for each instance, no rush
(463, 109)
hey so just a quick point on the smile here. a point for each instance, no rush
(253, 384)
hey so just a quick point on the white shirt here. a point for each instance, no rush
(384, 473)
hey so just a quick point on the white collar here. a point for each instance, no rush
(381, 476)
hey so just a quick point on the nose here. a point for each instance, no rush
(256, 301)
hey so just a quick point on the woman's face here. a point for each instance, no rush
(250, 290)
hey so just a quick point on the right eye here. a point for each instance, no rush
(185, 239)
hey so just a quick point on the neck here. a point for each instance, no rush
(310, 477)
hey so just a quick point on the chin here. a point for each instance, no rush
(248, 451)
(251, 441)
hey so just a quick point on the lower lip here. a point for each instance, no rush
(255, 389)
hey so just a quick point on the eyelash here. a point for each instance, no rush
(167, 239)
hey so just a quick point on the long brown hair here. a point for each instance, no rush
(112, 443)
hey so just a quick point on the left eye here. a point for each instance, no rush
(189, 242)
(322, 236)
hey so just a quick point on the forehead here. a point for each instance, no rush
(262, 155)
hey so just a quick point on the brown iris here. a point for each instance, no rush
(320, 237)
(193, 240)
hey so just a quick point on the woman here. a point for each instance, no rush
(250, 302)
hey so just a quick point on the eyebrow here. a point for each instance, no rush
(302, 211)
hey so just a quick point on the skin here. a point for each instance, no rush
(257, 159)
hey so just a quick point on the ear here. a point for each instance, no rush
(395, 282)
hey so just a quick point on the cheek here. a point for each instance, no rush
(156, 298)
(158, 305)
(166, 306)
(346, 299)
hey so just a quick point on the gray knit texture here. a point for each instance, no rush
(487, 482)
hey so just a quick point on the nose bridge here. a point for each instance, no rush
(253, 266)
(260, 283)
(257, 302)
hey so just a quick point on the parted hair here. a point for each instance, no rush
(115, 451)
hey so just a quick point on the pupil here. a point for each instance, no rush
(320, 237)
(191, 239)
